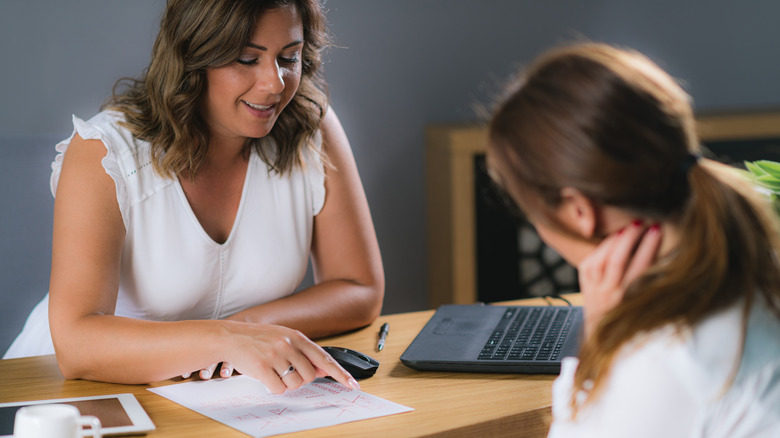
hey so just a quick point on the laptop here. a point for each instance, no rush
(496, 339)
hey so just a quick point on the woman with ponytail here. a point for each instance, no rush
(677, 254)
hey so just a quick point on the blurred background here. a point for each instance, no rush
(400, 66)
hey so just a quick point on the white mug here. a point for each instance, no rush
(54, 421)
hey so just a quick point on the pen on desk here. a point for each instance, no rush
(382, 336)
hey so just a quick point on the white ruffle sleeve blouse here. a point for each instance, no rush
(170, 268)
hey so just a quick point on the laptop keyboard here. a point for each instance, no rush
(529, 334)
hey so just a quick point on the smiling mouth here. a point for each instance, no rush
(258, 107)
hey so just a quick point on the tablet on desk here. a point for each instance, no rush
(119, 414)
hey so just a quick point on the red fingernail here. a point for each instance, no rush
(655, 227)
(637, 222)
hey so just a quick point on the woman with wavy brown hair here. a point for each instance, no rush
(677, 254)
(187, 210)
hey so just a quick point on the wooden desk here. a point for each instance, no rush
(446, 404)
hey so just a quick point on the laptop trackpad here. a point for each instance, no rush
(442, 326)
(450, 326)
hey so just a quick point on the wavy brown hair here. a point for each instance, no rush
(614, 125)
(162, 107)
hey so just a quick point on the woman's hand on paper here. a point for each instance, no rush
(619, 260)
(282, 358)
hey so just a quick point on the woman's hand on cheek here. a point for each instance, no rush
(606, 273)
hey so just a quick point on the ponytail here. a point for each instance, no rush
(727, 251)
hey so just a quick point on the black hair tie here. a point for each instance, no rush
(688, 162)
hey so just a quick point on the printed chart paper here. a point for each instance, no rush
(246, 405)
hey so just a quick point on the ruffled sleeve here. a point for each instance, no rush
(94, 129)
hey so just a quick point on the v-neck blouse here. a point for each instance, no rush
(170, 268)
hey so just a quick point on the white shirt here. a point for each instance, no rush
(170, 268)
(666, 384)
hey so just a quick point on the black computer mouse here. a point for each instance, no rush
(355, 362)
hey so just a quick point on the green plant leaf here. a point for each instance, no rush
(769, 181)
(754, 169)
(770, 167)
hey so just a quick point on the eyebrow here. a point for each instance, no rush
(265, 49)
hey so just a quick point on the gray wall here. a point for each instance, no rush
(402, 64)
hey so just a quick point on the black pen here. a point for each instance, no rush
(382, 336)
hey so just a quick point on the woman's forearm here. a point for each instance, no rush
(125, 350)
(325, 309)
